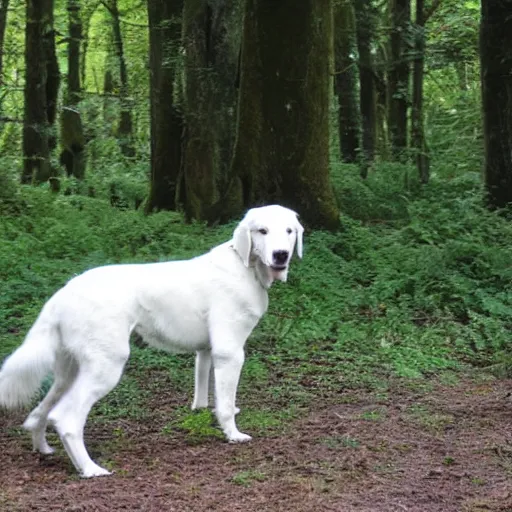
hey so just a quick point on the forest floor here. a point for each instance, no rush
(442, 447)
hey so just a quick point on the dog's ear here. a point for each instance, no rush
(242, 242)
(300, 232)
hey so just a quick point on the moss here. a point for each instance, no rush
(282, 149)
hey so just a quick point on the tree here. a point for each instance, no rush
(367, 94)
(496, 76)
(4, 9)
(418, 141)
(345, 80)
(125, 127)
(282, 147)
(166, 115)
(211, 59)
(41, 90)
(72, 134)
(398, 75)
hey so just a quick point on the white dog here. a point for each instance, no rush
(208, 305)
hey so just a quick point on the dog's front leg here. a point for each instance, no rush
(202, 377)
(227, 366)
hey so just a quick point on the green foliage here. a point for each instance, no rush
(415, 284)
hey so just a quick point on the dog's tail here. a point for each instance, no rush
(23, 371)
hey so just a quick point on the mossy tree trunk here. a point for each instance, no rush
(345, 80)
(418, 141)
(496, 66)
(166, 114)
(211, 57)
(398, 75)
(367, 93)
(41, 91)
(282, 148)
(72, 138)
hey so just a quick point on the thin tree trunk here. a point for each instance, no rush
(418, 133)
(72, 134)
(345, 80)
(282, 149)
(166, 116)
(125, 128)
(4, 6)
(496, 65)
(365, 25)
(75, 38)
(398, 76)
(87, 13)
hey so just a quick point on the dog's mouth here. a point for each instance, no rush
(278, 268)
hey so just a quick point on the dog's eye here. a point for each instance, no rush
(263, 231)
(289, 231)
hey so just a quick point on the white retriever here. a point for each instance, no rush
(208, 305)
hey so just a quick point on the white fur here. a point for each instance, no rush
(208, 305)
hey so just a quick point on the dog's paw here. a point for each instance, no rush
(44, 449)
(94, 471)
(239, 437)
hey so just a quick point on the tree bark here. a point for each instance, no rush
(75, 39)
(211, 58)
(345, 80)
(72, 134)
(4, 6)
(367, 93)
(418, 141)
(496, 73)
(398, 76)
(39, 93)
(166, 115)
(282, 148)
(125, 127)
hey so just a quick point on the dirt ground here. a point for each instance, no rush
(448, 449)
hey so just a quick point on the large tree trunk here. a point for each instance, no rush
(398, 76)
(282, 148)
(166, 116)
(367, 93)
(345, 80)
(496, 64)
(417, 133)
(211, 58)
(40, 95)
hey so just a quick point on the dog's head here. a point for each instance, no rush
(269, 234)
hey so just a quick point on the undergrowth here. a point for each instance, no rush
(416, 283)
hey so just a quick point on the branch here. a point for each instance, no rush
(5, 119)
(433, 8)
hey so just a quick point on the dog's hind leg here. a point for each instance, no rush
(96, 377)
(65, 371)
(202, 378)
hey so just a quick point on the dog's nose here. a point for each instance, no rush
(280, 257)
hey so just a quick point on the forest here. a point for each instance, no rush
(380, 378)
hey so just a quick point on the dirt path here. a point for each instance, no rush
(446, 450)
